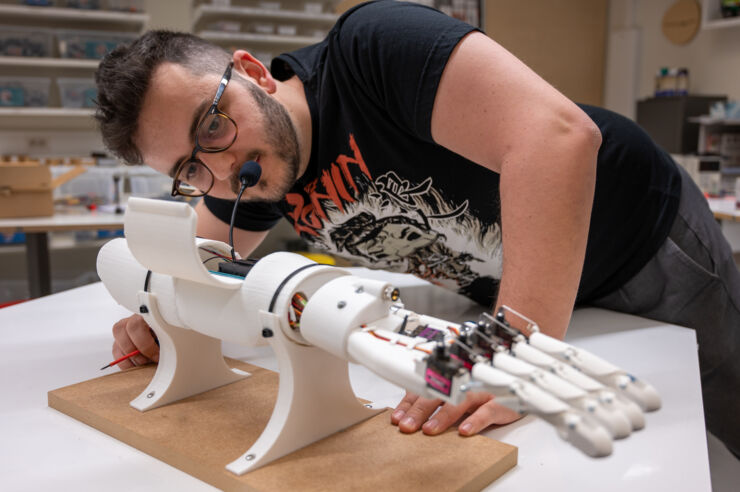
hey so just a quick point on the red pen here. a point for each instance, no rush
(127, 356)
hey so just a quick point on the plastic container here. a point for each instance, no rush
(90, 44)
(38, 3)
(25, 41)
(126, 5)
(24, 91)
(313, 7)
(81, 4)
(268, 4)
(262, 27)
(77, 93)
(287, 29)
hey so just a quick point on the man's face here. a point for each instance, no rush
(176, 101)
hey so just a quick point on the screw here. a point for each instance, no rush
(250, 457)
(341, 304)
(143, 309)
(266, 332)
(150, 394)
(368, 405)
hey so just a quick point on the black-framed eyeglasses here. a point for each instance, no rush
(215, 132)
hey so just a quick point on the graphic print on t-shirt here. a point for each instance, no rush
(390, 222)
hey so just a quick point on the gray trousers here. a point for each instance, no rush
(693, 281)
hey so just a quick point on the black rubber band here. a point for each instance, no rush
(285, 281)
(146, 281)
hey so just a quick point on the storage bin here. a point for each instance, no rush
(38, 3)
(77, 93)
(126, 5)
(25, 41)
(268, 5)
(262, 27)
(313, 7)
(287, 29)
(90, 44)
(81, 4)
(24, 91)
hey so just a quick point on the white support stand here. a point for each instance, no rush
(315, 400)
(189, 362)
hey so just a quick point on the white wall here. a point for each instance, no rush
(712, 57)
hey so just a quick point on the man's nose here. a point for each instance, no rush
(221, 164)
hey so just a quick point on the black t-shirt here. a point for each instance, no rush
(379, 190)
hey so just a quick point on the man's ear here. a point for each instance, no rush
(252, 68)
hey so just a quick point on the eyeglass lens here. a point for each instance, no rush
(215, 133)
(194, 178)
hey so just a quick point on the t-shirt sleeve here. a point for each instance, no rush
(250, 216)
(396, 52)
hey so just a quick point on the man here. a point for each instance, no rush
(409, 141)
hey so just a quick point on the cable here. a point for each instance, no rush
(231, 224)
(249, 174)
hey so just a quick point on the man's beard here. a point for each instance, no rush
(283, 141)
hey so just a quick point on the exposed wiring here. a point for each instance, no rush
(297, 303)
(215, 253)
(397, 342)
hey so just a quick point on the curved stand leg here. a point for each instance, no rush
(189, 362)
(315, 399)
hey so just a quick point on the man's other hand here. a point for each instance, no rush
(130, 334)
(414, 412)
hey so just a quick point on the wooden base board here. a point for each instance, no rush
(202, 434)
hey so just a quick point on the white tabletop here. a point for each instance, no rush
(63, 221)
(65, 338)
(725, 208)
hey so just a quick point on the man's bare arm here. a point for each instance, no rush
(493, 110)
(544, 147)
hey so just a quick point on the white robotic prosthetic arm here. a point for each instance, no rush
(317, 318)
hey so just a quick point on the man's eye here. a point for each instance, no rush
(191, 170)
(214, 128)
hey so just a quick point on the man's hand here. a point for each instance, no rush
(414, 412)
(130, 334)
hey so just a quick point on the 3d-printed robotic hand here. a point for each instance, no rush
(318, 317)
(440, 359)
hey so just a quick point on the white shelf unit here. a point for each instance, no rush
(25, 12)
(47, 119)
(38, 62)
(711, 16)
(260, 27)
(713, 168)
(56, 117)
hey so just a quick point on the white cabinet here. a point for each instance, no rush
(69, 54)
(266, 28)
(711, 16)
(717, 163)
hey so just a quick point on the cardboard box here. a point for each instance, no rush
(25, 189)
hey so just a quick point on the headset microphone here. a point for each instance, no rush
(249, 174)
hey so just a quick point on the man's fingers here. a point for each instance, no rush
(487, 414)
(141, 336)
(121, 336)
(403, 407)
(117, 354)
(417, 414)
(449, 414)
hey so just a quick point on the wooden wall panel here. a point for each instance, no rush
(564, 41)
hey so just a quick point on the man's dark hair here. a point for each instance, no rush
(123, 79)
